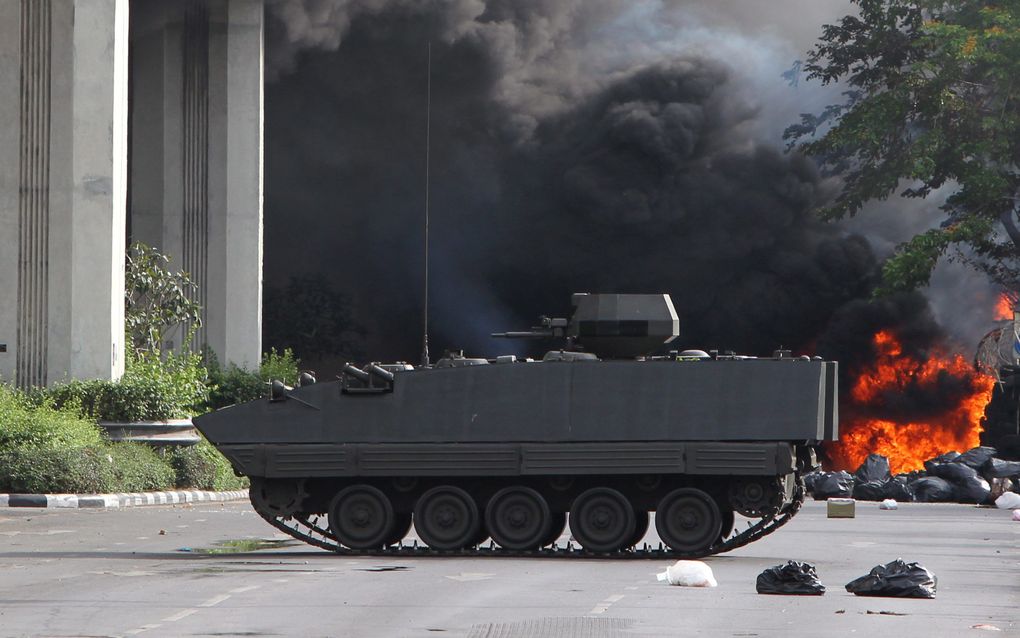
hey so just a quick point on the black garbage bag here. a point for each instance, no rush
(898, 488)
(932, 489)
(948, 457)
(792, 578)
(833, 485)
(896, 579)
(875, 468)
(893, 488)
(809, 480)
(997, 468)
(976, 457)
(870, 491)
(967, 485)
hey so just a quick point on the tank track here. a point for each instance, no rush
(314, 530)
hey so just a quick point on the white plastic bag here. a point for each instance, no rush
(689, 573)
(1008, 501)
(888, 504)
(1016, 515)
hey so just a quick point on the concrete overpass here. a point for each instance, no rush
(126, 119)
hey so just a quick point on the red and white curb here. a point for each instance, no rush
(134, 499)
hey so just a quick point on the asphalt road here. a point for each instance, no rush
(123, 573)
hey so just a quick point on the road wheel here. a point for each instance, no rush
(401, 526)
(277, 497)
(756, 497)
(557, 523)
(640, 527)
(602, 520)
(446, 518)
(361, 517)
(518, 518)
(688, 520)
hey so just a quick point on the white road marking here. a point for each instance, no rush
(181, 614)
(241, 590)
(466, 577)
(606, 604)
(215, 600)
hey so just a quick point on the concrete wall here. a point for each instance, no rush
(63, 161)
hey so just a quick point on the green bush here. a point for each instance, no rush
(283, 367)
(138, 468)
(202, 467)
(33, 421)
(152, 389)
(56, 470)
(233, 384)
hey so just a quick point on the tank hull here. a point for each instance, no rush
(597, 439)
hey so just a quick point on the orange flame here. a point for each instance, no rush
(908, 444)
(1004, 307)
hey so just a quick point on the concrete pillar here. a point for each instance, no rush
(234, 282)
(63, 188)
(11, 152)
(196, 191)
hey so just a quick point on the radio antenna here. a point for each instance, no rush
(428, 121)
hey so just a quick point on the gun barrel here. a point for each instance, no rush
(530, 334)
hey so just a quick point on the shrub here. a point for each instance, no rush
(201, 466)
(157, 301)
(283, 367)
(234, 384)
(152, 389)
(39, 470)
(35, 422)
(138, 468)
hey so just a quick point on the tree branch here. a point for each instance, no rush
(1010, 225)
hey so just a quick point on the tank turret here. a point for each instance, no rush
(611, 326)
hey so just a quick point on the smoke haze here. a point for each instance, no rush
(602, 146)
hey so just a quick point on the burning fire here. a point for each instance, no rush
(1004, 307)
(908, 441)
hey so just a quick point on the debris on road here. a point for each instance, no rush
(1008, 501)
(688, 573)
(840, 508)
(885, 613)
(793, 578)
(895, 579)
(888, 504)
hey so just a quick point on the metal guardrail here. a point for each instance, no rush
(173, 432)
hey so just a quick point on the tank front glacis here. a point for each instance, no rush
(470, 449)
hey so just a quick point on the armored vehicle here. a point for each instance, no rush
(599, 432)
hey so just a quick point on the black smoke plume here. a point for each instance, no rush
(566, 156)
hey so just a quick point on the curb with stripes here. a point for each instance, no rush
(119, 500)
